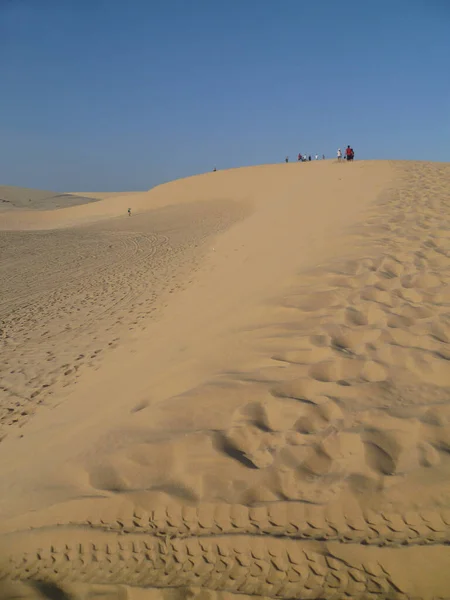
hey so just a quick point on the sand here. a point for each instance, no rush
(17, 198)
(241, 389)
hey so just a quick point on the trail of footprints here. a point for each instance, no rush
(343, 371)
(86, 290)
(49, 308)
(334, 411)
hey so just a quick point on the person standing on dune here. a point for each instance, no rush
(129, 212)
(349, 153)
(339, 154)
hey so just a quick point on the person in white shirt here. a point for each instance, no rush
(317, 157)
(339, 154)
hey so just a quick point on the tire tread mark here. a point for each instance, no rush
(283, 519)
(227, 564)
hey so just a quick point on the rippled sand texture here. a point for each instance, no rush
(297, 446)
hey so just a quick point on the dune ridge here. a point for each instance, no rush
(290, 440)
(264, 182)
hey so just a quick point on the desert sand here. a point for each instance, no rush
(16, 198)
(241, 389)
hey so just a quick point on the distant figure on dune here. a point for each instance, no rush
(349, 154)
(129, 212)
(339, 154)
(287, 159)
(317, 157)
(299, 158)
(323, 156)
(309, 157)
(214, 170)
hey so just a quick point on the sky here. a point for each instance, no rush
(105, 95)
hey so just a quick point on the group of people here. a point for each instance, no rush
(349, 154)
(305, 158)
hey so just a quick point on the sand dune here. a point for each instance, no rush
(17, 198)
(242, 389)
(103, 195)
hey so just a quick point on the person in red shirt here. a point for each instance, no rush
(349, 154)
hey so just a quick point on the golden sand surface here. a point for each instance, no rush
(243, 389)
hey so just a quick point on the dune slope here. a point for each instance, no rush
(17, 198)
(281, 429)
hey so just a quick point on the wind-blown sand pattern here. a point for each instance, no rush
(279, 427)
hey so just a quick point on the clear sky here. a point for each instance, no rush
(113, 95)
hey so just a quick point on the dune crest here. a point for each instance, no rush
(282, 428)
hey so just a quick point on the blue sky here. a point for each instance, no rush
(109, 95)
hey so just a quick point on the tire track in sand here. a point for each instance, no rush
(341, 334)
(264, 567)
